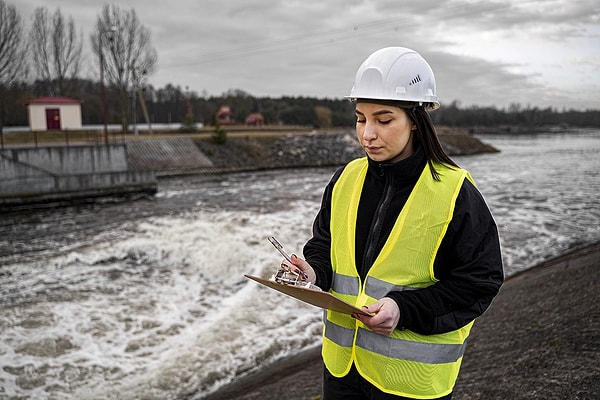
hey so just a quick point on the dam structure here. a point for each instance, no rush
(38, 176)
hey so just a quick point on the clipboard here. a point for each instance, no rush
(314, 297)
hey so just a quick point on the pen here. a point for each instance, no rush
(279, 248)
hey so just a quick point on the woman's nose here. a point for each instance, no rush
(369, 131)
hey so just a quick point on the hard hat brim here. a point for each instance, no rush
(396, 103)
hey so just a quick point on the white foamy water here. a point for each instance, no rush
(147, 299)
(159, 310)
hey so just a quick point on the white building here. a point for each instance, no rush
(54, 113)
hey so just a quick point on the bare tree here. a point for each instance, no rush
(56, 49)
(13, 66)
(124, 47)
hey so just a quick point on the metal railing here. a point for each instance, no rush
(57, 138)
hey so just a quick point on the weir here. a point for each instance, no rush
(42, 175)
(37, 176)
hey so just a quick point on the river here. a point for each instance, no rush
(147, 299)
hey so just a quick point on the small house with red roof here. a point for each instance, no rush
(54, 113)
(225, 116)
(255, 119)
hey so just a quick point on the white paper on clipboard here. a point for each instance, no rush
(314, 297)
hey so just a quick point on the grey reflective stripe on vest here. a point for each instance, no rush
(345, 284)
(376, 288)
(338, 334)
(428, 353)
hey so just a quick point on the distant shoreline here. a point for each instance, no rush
(162, 155)
(314, 149)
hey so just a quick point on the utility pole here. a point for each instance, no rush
(133, 98)
(136, 87)
(102, 90)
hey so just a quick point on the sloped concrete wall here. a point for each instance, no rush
(72, 159)
(9, 169)
(167, 156)
(56, 173)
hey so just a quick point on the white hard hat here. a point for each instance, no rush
(396, 73)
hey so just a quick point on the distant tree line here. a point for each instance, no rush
(515, 115)
(170, 105)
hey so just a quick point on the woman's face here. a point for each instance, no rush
(384, 131)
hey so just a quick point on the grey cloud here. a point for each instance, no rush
(477, 82)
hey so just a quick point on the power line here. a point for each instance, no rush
(405, 22)
(448, 12)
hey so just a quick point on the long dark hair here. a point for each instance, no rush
(427, 137)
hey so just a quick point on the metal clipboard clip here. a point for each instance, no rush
(284, 274)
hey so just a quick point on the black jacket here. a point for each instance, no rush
(468, 263)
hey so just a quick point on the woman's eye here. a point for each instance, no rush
(385, 122)
(360, 121)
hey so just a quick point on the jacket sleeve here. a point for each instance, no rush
(317, 251)
(468, 267)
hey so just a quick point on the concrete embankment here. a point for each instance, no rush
(46, 175)
(268, 150)
(36, 176)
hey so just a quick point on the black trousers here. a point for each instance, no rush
(355, 387)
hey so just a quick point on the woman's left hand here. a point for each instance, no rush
(385, 318)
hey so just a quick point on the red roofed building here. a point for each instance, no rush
(54, 113)
(225, 116)
(255, 119)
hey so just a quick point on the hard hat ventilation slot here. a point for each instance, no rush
(414, 80)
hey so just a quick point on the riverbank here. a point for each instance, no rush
(538, 340)
(47, 175)
(254, 151)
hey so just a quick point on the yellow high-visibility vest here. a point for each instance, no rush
(406, 363)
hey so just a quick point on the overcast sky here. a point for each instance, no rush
(486, 53)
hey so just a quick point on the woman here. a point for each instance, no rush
(404, 234)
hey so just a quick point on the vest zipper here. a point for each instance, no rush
(374, 235)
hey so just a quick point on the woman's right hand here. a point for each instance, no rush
(300, 265)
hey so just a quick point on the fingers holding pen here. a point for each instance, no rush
(303, 268)
(296, 264)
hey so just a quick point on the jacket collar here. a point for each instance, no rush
(403, 171)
